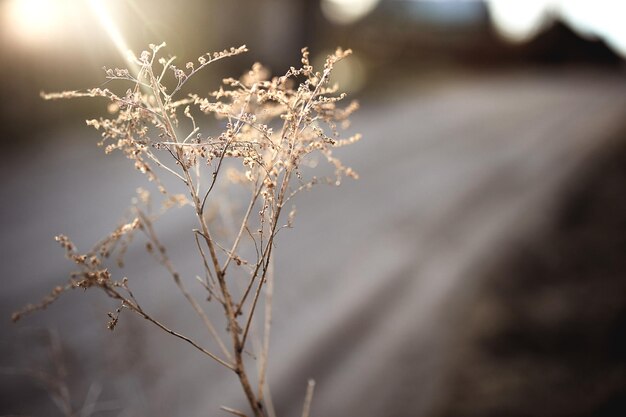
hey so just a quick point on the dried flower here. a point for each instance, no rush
(271, 125)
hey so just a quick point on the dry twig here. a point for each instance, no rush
(271, 126)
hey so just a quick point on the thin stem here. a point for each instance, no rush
(210, 61)
(235, 132)
(256, 294)
(274, 223)
(233, 411)
(214, 177)
(267, 251)
(186, 339)
(228, 302)
(134, 306)
(251, 281)
(308, 399)
(244, 224)
(269, 404)
(209, 280)
(162, 165)
(269, 292)
(193, 132)
(165, 261)
(165, 67)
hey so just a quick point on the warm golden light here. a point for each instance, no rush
(34, 21)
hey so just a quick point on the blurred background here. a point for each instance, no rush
(477, 268)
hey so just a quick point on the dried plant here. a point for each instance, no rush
(273, 127)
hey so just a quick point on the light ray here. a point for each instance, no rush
(105, 19)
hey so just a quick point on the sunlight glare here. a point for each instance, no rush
(34, 20)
